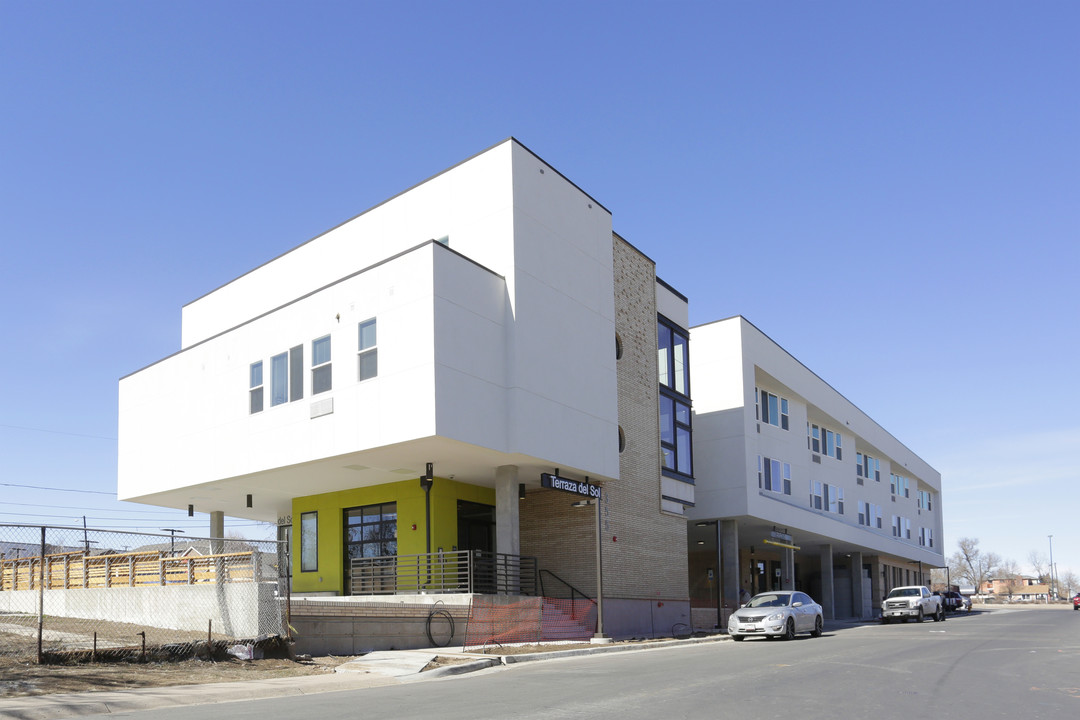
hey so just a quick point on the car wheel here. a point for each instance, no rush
(885, 621)
(817, 627)
(738, 638)
(919, 617)
(789, 631)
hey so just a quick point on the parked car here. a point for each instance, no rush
(912, 601)
(955, 602)
(1076, 601)
(781, 613)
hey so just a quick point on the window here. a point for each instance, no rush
(834, 499)
(296, 373)
(898, 485)
(867, 467)
(368, 353)
(279, 377)
(926, 537)
(321, 379)
(926, 500)
(309, 542)
(672, 349)
(675, 433)
(675, 420)
(869, 514)
(824, 441)
(371, 531)
(771, 409)
(816, 500)
(255, 403)
(901, 527)
(774, 476)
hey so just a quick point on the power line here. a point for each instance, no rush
(56, 432)
(42, 487)
(82, 509)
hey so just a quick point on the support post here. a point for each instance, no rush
(828, 601)
(599, 637)
(729, 555)
(41, 596)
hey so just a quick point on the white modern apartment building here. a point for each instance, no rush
(398, 385)
(797, 487)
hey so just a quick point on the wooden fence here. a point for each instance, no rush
(137, 569)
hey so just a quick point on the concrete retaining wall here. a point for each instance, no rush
(233, 608)
(355, 626)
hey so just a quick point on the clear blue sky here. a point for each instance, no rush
(891, 191)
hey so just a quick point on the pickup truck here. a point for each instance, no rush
(913, 601)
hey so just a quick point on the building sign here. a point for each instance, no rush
(576, 487)
(780, 535)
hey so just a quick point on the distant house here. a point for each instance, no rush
(1015, 588)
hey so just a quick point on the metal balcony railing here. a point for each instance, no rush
(460, 571)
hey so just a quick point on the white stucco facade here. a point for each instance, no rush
(761, 476)
(494, 348)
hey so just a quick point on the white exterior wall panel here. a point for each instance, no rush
(729, 359)
(471, 203)
(561, 369)
(504, 342)
(186, 421)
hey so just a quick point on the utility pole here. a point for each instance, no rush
(172, 541)
(1052, 593)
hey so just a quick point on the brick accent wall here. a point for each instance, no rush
(649, 558)
(644, 550)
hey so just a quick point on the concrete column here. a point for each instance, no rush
(787, 569)
(217, 532)
(828, 605)
(507, 511)
(858, 583)
(728, 531)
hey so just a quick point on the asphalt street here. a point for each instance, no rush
(1001, 664)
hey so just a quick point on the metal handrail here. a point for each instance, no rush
(572, 588)
(459, 571)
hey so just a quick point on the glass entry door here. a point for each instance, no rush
(371, 532)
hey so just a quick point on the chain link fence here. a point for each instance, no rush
(71, 594)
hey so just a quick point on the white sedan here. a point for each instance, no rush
(781, 613)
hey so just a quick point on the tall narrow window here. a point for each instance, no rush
(279, 379)
(676, 429)
(663, 351)
(680, 366)
(321, 379)
(309, 542)
(296, 373)
(368, 352)
(255, 384)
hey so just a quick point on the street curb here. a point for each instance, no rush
(556, 654)
(460, 669)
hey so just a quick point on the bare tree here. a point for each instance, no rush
(1069, 582)
(1039, 565)
(1009, 572)
(971, 564)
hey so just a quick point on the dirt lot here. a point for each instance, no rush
(29, 678)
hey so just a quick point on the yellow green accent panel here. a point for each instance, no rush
(409, 496)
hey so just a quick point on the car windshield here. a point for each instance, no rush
(905, 592)
(769, 600)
